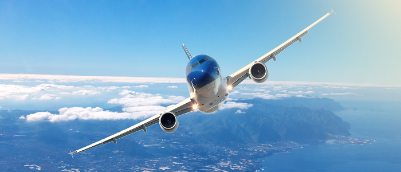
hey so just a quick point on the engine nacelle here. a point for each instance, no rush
(168, 122)
(258, 72)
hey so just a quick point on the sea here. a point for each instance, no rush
(377, 120)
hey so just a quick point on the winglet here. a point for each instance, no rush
(187, 52)
(332, 11)
(72, 153)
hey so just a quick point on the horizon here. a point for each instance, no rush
(54, 92)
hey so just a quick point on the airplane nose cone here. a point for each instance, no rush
(200, 79)
(204, 73)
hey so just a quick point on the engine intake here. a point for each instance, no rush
(258, 72)
(168, 122)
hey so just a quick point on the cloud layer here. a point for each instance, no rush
(136, 105)
(20, 92)
(74, 78)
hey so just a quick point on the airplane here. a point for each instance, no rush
(207, 88)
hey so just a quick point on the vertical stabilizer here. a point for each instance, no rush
(187, 52)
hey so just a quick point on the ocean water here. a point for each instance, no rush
(380, 121)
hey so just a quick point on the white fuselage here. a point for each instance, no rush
(205, 83)
(211, 96)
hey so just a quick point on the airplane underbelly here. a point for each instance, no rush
(211, 96)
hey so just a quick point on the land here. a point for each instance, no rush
(223, 141)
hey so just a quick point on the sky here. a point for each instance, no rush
(358, 44)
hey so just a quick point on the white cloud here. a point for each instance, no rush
(19, 92)
(338, 94)
(42, 87)
(267, 95)
(135, 105)
(233, 92)
(22, 117)
(67, 114)
(173, 86)
(132, 98)
(47, 97)
(16, 92)
(72, 78)
(85, 92)
(239, 111)
(300, 92)
(229, 105)
(141, 86)
(125, 87)
(108, 88)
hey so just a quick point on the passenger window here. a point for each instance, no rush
(195, 65)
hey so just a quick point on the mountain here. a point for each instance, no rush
(265, 123)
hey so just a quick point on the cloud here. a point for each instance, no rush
(300, 92)
(85, 92)
(141, 86)
(300, 95)
(267, 95)
(233, 92)
(20, 92)
(291, 84)
(239, 111)
(42, 87)
(117, 79)
(135, 105)
(338, 94)
(132, 98)
(229, 105)
(73, 78)
(125, 87)
(173, 86)
(22, 117)
(47, 97)
(16, 92)
(67, 114)
(108, 88)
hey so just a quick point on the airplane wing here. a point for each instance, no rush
(237, 77)
(183, 107)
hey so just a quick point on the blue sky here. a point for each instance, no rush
(360, 44)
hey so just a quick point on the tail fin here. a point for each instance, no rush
(187, 52)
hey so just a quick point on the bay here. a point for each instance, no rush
(379, 121)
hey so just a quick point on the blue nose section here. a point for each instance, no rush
(202, 70)
(200, 79)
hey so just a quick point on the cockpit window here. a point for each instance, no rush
(200, 62)
(195, 65)
(203, 60)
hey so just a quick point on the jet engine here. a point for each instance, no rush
(258, 72)
(168, 122)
